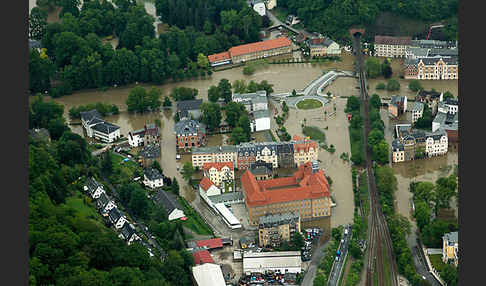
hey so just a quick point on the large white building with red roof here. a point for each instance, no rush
(219, 172)
(307, 192)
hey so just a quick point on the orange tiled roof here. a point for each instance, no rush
(259, 46)
(219, 57)
(302, 185)
(217, 165)
(202, 256)
(206, 183)
(210, 243)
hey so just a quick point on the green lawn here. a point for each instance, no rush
(78, 204)
(194, 221)
(436, 260)
(314, 133)
(309, 104)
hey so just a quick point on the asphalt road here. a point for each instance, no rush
(316, 259)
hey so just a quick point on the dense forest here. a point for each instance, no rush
(71, 245)
(76, 55)
(335, 17)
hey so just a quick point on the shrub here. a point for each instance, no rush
(380, 86)
(393, 85)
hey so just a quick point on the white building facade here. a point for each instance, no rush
(436, 145)
(268, 156)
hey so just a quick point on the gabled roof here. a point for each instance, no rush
(451, 237)
(202, 256)
(210, 243)
(189, 104)
(150, 151)
(92, 184)
(103, 200)
(167, 200)
(153, 174)
(259, 46)
(224, 56)
(189, 126)
(217, 165)
(127, 230)
(89, 115)
(206, 183)
(114, 214)
(105, 127)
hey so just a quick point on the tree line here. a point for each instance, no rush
(78, 57)
(335, 17)
(68, 247)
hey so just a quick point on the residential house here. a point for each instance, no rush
(219, 172)
(398, 151)
(94, 188)
(260, 50)
(397, 106)
(323, 46)
(40, 134)
(449, 105)
(152, 178)
(189, 109)
(189, 134)
(438, 68)
(285, 154)
(417, 111)
(208, 189)
(276, 228)
(305, 151)
(97, 128)
(253, 101)
(430, 98)
(449, 123)
(391, 47)
(306, 192)
(170, 203)
(450, 247)
(104, 204)
(149, 154)
(136, 137)
(436, 143)
(262, 170)
(266, 153)
(34, 44)
(259, 7)
(292, 20)
(201, 155)
(149, 134)
(128, 233)
(116, 218)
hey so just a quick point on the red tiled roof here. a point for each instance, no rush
(206, 183)
(217, 165)
(259, 46)
(389, 40)
(303, 185)
(202, 256)
(219, 57)
(210, 243)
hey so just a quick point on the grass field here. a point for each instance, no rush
(314, 133)
(436, 260)
(309, 104)
(194, 221)
(77, 203)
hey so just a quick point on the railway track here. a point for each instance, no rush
(380, 248)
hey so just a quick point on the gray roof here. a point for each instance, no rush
(451, 101)
(226, 197)
(150, 151)
(153, 174)
(127, 230)
(41, 133)
(440, 118)
(34, 44)
(451, 237)
(396, 99)
(397, 145)
(418, 106)
(261, 170)
(102, 201)
(432, 60)
(278, 219)
(114, 215)
(215, 149)
(105, 127)
(411, 62)
(261, 114)
(92, 184)
(185, 105)
(418, 52)
(443, 52)
(255, 97)
(167, 200)
(89, 115)
(189, 126)
(433, 44)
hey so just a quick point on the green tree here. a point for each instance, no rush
(156, 166)
(139, 203)
(375, 101)
(188, 171)
(238, 136)
(213, 93)
(393, 85)
(336, 234)
(174, 187)
(422, 214)
(294, 93)
(107, 163)
(380, 86)
(234, 110)
(447, 95)
(202, 61)
(167, 102)
(248, 70)
(40, 72)
(375, 136)
(252, 87)
(352, 104)
(225, 90)
(298, 241)
(37, 23)
(415, 85)
(239, 86)
(244, 122)
(386, 68)
(211, 115)
(264, 85)
(373, 67)
(381, 152)
(449, 274)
